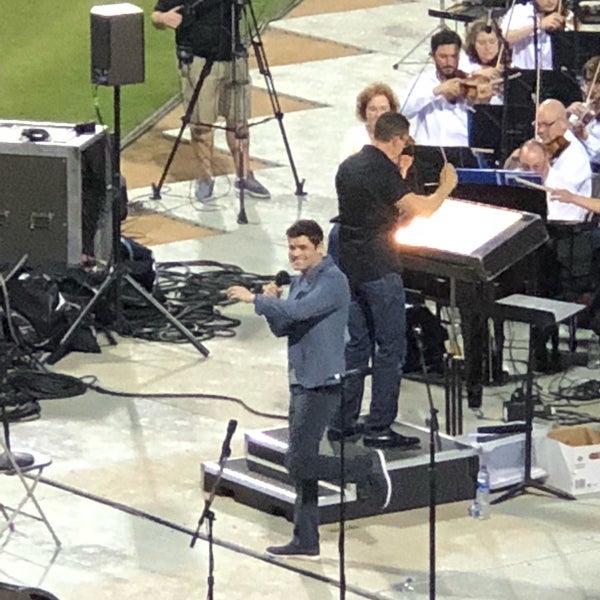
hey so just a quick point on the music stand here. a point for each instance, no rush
(540, 313)
(500, 129)
(429, 160)
(572, 49)
(559, 84)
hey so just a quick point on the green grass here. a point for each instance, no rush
(45, 64)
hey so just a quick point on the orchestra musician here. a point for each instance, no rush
(584, 117)
(436, 96)
(372, 101)
(569, 163)
(486, 54)
(519, 25)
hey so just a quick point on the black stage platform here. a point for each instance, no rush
(260, 480)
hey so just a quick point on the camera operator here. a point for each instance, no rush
(203, 32)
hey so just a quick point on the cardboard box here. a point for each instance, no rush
(571, 456)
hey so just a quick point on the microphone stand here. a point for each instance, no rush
(209, 515)
(434, 441)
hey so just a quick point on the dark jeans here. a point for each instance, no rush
(309, 413)
(377, 328)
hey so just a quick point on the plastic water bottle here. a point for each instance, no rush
(480, 509)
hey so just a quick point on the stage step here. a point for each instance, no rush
(259, 480)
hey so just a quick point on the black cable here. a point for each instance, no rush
(200, 396)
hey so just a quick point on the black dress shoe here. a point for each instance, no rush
(390, 439)
(334, 435)
(293, 549)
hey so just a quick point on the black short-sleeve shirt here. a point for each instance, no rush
(205, 29)
(368, 185)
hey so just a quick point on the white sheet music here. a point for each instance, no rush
(459, 227)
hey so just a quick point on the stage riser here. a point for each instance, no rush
(262, 484)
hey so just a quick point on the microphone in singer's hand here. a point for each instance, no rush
(282, 278)
(225, 448)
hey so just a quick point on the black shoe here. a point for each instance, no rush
(292, 549)
(378, 482)
(390, 439)
(334, 435)
(253, 187)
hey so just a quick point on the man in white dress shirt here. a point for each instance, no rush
(569, 168)
(519, 25)
(585, 116)
(434, 97)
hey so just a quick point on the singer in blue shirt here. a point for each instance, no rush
(313, 317)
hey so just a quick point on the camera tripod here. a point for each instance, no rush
(118, 274)
(238, 10)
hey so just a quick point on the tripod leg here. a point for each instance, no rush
(57, 354)
(263, 67)
(184, 122)
(163, 311)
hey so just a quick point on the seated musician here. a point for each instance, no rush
(518, 27)
(533, 156)
(374, 100)
(435, 97)
(584, 117)
(569, 164)
(486, 55)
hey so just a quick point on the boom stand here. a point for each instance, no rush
(434, 441)
(209, 515)
(240, 78)
(118, 273)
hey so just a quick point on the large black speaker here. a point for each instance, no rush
(117, 44)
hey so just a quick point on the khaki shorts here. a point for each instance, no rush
(220, 95)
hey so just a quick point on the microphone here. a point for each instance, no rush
(282, 278)
(225, 449)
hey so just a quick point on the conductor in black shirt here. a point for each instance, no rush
(203, 30)
(372, 196)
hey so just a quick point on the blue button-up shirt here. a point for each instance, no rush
(314, 318)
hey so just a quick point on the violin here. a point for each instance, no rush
(556, 147)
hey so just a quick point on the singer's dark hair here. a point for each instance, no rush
(444, 38)
(311, 229)
(390, 125)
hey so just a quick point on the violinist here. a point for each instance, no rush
(482, 61)
(518, 27)
(569, 167)
(584, 117)
(435, 97)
